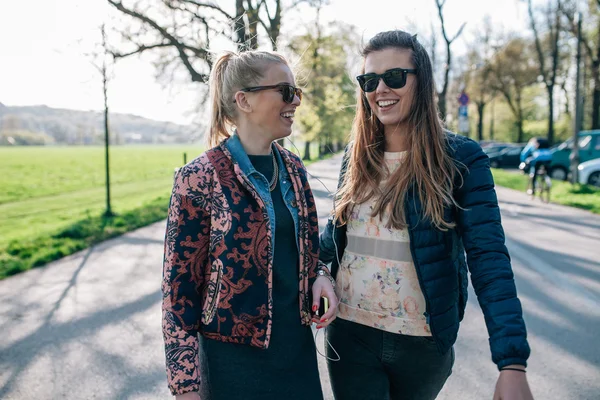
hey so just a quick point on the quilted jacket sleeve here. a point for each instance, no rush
(326, 244)
(488, 259)
(185, 257)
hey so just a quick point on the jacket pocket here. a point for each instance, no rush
(212, 292)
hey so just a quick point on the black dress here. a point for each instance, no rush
(288, 369)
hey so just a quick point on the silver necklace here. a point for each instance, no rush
(275, 176)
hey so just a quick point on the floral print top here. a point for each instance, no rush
(377, 283)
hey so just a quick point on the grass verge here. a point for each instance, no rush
(585, 197)
(23, 254)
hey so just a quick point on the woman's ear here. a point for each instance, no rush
(241, 99)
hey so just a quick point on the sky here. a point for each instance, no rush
(45, 53)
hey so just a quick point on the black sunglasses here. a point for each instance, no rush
(394, 79)
(287, 91)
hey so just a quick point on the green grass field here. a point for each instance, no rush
(581, 196)
(45, 189)
(52, 198)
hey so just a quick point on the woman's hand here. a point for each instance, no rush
(323, 288)
(512, 385)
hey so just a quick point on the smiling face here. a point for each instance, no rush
(391, 106)
(270, 115)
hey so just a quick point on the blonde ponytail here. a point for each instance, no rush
(220, 118)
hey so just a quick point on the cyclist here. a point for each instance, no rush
(536, 154)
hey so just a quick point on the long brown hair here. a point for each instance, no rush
(230, 73)
(427, 167)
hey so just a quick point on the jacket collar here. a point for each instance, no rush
(234, 145)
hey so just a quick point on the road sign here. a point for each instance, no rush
(463, 99)
(463, 111)
(463, 125)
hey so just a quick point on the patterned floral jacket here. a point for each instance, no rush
(217, 275)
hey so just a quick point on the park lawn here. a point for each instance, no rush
(581, 196)
(36, 172)
(45, 189)
(53, 198)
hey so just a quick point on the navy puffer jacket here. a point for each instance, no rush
(439, 258)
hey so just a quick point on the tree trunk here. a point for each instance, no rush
(596, 96)
(596, 75)
(519, 124)
(240, 26)
(563, 86)
(442, 95)
(275, 26)
(551, 113)
(253, 21)
(492, 122)
(519, 115)
(480, 109)
(306, 156)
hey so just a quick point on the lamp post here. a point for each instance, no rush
(574, 157)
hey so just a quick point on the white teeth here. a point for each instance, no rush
(287, 115)
(386, 103)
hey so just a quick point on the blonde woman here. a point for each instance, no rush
(241, 280)
(403, 287)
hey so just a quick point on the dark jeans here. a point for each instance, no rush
(380, 365)
(536, 169)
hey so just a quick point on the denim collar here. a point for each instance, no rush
(234, 145)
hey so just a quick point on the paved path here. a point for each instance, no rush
(88, 326)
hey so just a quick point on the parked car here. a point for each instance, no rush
(589, 172)
(487, 143)
(589, 149)
(509, 157)
(496, 148)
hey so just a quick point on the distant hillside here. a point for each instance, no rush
(45, 125)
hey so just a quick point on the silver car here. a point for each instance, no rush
(589, 172)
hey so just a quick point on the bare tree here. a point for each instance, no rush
(550, 53)
(591, 46)
(478, 85)
(513, 70)
(442, 95)
(101, 60)
(183, 29)
(478, 79)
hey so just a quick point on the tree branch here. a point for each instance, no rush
(211, 6)
(440, 5)
(573, 28)
(298, 2)
(460, 31)
(264, 25)
(555, 39)
(172, 40)
(140, 49)
(264, 3)
(538, 45)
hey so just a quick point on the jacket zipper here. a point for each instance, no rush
(262, 206)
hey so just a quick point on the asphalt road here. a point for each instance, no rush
(88, 326)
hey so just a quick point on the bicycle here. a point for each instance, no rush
(540, 183)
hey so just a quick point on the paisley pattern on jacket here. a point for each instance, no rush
(217, 274)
